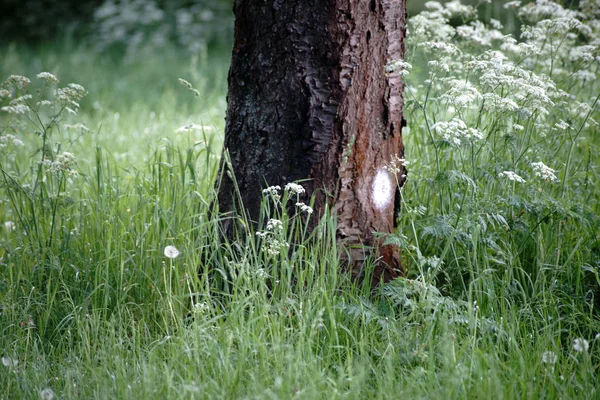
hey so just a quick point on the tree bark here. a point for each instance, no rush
(309, 98)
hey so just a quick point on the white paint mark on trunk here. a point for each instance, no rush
(382, 190)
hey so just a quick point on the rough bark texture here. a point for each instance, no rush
(309, 98)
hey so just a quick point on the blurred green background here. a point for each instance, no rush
(115, 21)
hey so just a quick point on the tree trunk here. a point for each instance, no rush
(309, 98)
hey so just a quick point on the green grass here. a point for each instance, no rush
(500, 273)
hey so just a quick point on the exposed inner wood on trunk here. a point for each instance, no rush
(309, 98)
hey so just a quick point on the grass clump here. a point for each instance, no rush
(115, 280)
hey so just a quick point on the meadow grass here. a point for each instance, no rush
(503, 255)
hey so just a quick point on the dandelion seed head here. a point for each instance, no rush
(548, 357)
(9, 362)
(171, 252)
(47, 394)
(581, 345)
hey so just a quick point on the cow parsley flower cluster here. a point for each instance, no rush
(460, 93)
(63, 163)
(511, 176)
(273, 191)
(70, 96)
(294, 188)
(273, 237)
(304, 208)
(9, 140)
(456, 132)
(403, 68)
(49, 78)
(541, 170)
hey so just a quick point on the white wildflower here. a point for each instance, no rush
(456, 132)
(512, 176)
(274, 225)
(432, 26)
(261, 273)
(543, 171)
(19, 109)
(562, 125)
(272, 190)
(460, 93)
(440, 48)
(9, 226)
(581, 345)
(171, 252)
(585, 76)
(48, 77)
(274, 246)
(510, 45)
(478, 33)
(499, 104)
(304, 208)
(294, 188)
(9, 139)
(70, 96)
(443, 66)
(544, 10)
(401, 65)
(396, 164)
(21, 100)
(62, 163)
(584, 53)
(4, 93)
(200, 308)
(496, 24)
(17, 81)
(460, 10)
(433, 5)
